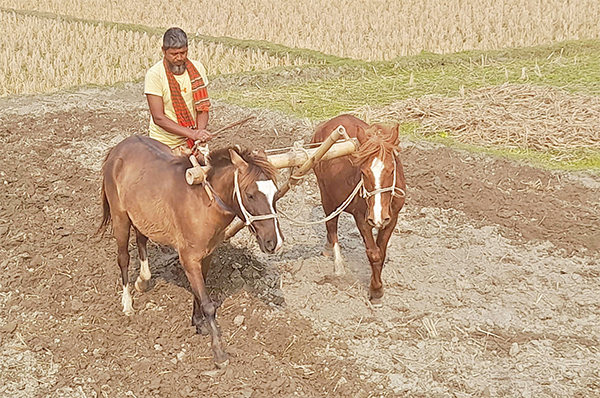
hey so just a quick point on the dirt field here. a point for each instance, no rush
(492, 279)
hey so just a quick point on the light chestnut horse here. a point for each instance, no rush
(144, 186)
(378, 168)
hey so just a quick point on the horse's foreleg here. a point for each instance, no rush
(333, 245)
(383, 237)
(121, 229)
(193, 271)
(198, 318)
(142, 282)
(375, 257)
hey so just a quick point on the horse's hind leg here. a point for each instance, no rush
(333, 245)
(142, 282)
(121, 228)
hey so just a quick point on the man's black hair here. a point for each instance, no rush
(174, 38)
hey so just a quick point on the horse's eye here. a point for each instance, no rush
(250, 196)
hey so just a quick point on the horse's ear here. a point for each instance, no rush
(261, 153)
(361, 135)
(237, 160)
(396, 134)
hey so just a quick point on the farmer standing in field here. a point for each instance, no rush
(177, 97)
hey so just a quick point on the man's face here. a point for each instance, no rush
(176, 59)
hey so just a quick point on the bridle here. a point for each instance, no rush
(396, 192)
(238, 196)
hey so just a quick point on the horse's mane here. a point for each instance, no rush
(257, 164)
(380, 143)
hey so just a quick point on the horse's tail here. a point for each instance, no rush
(106, 218)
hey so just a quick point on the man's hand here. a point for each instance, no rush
(201, 135)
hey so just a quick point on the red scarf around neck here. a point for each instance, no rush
(199, 92)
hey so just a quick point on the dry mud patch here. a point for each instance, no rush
(492, 278)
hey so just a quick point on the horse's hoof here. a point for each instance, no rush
(221, 365)
(202, 329)
(339, 269)
(376, 302)
(128, 312)
(141, 285)
(221, 360)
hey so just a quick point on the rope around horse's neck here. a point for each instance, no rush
(399, 192)
(336, 213)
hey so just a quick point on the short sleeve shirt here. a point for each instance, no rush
(156, 83)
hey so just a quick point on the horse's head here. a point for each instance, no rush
(377, 161)
(255, 189)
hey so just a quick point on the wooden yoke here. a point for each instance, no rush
(317, 154)
(310, 162)
(297, 157)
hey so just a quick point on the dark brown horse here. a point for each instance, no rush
(378, 169)
(144, 186)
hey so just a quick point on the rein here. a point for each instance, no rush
(238, 196)
(393, 188)
(219, 201)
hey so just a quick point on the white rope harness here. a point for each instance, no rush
(238, 196)
(336, 213)
(393, 188)
(396, 192)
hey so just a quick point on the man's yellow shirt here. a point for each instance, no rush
(156, 83)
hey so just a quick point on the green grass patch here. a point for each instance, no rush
(382, 83)
(322, 92)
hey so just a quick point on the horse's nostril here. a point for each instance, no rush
(371, 222)
(270, 245)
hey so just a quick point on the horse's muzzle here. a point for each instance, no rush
(379, 225)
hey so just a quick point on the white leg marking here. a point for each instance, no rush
(269, 189)
(127, 301)
(144, 276)
(145, 270)
(338, 261)
(377, 168)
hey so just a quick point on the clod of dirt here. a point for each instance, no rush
(9, 327)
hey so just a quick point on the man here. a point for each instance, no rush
(177, 97)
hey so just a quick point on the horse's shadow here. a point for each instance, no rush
(232, 269)
(235, 268)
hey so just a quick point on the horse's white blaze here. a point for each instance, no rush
(269, 189)
(127, 300)
(377, 168)
(338, 261)
(145, 270)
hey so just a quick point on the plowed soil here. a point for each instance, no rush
(492, 279)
